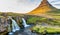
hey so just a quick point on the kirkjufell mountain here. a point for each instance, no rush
(44, 7)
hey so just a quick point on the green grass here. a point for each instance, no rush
(48, 29)
(36, 20)
(54, 14)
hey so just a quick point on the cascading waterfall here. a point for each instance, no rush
(15, 26)
(24, 23)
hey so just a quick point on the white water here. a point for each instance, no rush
(24, 23)
(15, 26)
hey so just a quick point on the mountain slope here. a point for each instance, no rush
(42, 8)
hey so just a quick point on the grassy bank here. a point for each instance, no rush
(43, 29)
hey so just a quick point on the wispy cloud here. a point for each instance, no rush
(55, 3)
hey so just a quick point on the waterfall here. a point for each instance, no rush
(15, 26)
(24, 23)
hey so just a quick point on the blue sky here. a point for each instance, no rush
(24, 6)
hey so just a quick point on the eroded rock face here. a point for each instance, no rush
(3, 24)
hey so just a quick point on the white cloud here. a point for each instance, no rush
(19, 6)
(23, 6)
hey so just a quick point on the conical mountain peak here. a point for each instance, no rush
(42, 8)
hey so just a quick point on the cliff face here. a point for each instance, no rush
(42, 8)
(3, 24)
